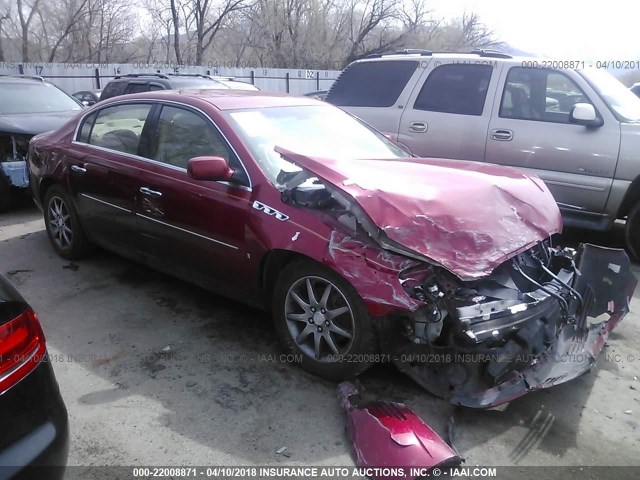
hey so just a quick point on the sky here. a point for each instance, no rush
(562, 29)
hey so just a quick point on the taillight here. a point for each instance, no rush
(22, 347)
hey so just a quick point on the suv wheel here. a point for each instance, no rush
(320, 316)
(632, 232)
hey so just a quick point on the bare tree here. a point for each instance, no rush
(5, 14)
(26, 13)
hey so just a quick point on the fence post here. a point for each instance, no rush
(253, 78)
(20, 69)
(97, 74)
(318, 80)
(287, 81)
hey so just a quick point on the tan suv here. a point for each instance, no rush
(569, 122)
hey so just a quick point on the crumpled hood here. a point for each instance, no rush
(469, 217)
(34, 123)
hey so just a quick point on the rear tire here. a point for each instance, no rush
(63, 224)
(632, 232)
(330, 328)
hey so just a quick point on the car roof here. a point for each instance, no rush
(226, 99)
(23, 79)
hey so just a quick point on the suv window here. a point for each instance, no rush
(137, 88)
(455, 88)
(119, 127)
(113, 89)
(540, 94)
(183, 134)
(372, 84)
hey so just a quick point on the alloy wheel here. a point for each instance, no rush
(60, 222)
(319, 318)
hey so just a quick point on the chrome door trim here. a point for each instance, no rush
(187, 231)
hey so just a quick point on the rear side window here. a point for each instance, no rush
(372, 84)
(137, 88)
(455, 88)
(113, 89)
(119, 127)
(85, 128)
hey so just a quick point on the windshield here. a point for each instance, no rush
(317, 130)
(624, 103)
(34, 98)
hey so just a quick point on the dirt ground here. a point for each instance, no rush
(155, 371)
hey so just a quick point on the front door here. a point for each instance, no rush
(191, 228)
(531, 130)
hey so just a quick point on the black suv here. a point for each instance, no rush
(148, 82)
(28, 106)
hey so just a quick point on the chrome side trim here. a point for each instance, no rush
(187, 231)
(105, 203)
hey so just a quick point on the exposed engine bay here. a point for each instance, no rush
(13, 153)
(538, 318)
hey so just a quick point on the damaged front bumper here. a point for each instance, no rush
(497, 340)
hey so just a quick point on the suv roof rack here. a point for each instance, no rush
(404, 51)
(32, 77)
(134, 75)
(197, 75)
(490, 53)
(483, 52)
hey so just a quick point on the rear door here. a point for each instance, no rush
(377, 91)
(191, 228)
(448, 115)
(530, 129)
(103, 175)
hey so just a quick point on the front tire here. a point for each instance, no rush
(321, 317)
(63, 224)
(632, 232)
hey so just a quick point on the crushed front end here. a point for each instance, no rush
(539, 319)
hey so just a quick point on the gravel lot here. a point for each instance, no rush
(156, 371)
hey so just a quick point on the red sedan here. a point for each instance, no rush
(362, 252)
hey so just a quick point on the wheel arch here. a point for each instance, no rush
(631, 197)
(272, 264)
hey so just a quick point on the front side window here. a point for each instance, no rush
(119, 127)
(183, 134)
(455, 88)
(540, 94)
(372, 84)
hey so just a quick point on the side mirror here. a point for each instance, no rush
(209, 168)
(584, 114)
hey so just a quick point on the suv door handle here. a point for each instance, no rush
(78, 169)
(148, 191)
(418, 127)
(502, 135)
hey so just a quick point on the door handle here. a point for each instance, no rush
(148, 191)
(418, 127)
(502, 135)
(78, 169)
